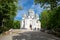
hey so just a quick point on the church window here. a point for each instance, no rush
(37, 21)
(30, 26)
(38, 28)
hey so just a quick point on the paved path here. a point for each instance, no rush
(9, 35)
(34, 35)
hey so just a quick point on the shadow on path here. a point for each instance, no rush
(34, 35)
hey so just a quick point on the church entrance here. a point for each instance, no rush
(30, 26)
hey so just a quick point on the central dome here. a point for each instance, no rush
(31, 12)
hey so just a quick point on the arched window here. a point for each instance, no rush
(30, 26)
(37, 21)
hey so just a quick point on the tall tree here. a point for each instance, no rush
(8, 9)
(44, 18)
(54, 18)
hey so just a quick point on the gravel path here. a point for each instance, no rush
(13, 33)
(34, 35)
(28, 35)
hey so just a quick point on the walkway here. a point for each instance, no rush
(35, 35)
(31, 35)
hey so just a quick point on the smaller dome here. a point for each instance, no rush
(24, 16)
(37, 16)
(31, 12)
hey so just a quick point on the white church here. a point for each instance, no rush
(30, 21)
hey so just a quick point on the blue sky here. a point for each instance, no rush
(27, 4)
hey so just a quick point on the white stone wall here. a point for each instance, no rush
(21, 24)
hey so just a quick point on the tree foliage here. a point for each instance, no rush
(53, 3)
(44, 18)
(54, 19)
(50, 19)
(16, 24)
(8, 9)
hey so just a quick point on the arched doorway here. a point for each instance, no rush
(30, 26)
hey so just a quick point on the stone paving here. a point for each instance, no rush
(9, 34)
(34, 35)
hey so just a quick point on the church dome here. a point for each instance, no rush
(31, 13)
(37, 16)
(31, 10)
(24, 16)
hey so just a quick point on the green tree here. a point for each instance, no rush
(53, 3)
(44, 18)
(16, 24)
(8, 9)
(54, 19)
